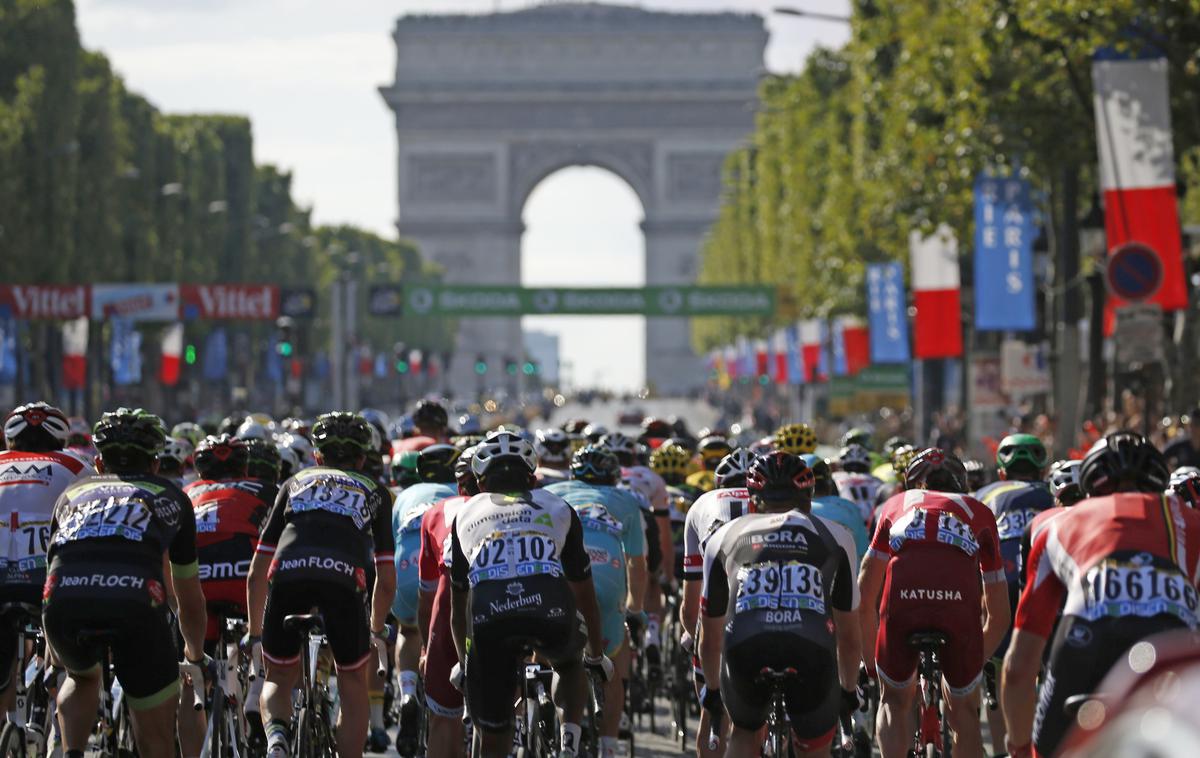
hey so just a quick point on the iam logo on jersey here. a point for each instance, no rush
(48, 587)
(360, 579)
(158, 595)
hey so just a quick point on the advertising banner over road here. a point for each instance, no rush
(44, 301)
(136, 301)
(468, 300)
(229, 301)
(1004, 256)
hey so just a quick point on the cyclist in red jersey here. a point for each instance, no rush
(444, 702)
(933, 565)
(431, 427)
(1119, 566)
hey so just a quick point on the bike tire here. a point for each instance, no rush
(304, 736)
(12, 741)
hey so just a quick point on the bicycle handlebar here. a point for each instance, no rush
(196, 674)
(381, 651)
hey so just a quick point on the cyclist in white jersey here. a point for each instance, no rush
(855, 481)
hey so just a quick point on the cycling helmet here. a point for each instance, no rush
(229, 425)
(552, 447)
(79, 432)
(377, 419)
(712, 450)
(404, 469)
(1021, 453)
(177, 449)
(467, 484)
(1185, 482)
(289, 461)
(343, 437)
(469, 424)
(262, 459)
(189, 431)
(376, 439)
(575, 426)
(1064, 482)
(936, 469)
(402, 428)
(732, 470)
(625, 448)
(251, 430)
(859, 435)
(129, 439)
(36, 427)
(656, 428)
(303, 448)
(855, 458)
(221, 457)
(779, 476)
(594, 432)
(595, 464)
(687, 443)
(430, 414)
(892, 443)
(1123, 462)
(976, 474)
(823, 483)
(504, 461)
(297, 426)
(436, 463)
(679, 427)
(671, 462)
(901, 457)
(796, 439)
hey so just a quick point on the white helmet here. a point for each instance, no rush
(289, 460)
(251, 430)
(300, 444)
(178, 449)
(855, 457)
(552, 446)
(500, 448)
(1063, 476)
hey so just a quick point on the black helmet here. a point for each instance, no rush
(463, 475)
(733, 468)
(779, 476)
(129, 438)
(430, 414)
(656, 428)
(262, 459)
(935, 469)
(595, 464)
(436, 463)
(822, 474)
(221, 457)
(575, 426)
(1123, 462)
(342, 437)
(36, 427)
(404, 469)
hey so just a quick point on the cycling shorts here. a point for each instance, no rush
(812, 699)
(1080, 656)
(347, 625)
(610, 596)
(30, 594)
(441, 697)
(222, 592)
(408, 583)
(129, 602)
(931, 588)
(533, 612)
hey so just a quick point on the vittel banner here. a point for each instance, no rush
(229, 301)
(45, 301)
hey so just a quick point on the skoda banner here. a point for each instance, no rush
(486, 300)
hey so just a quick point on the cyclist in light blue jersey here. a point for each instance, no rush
(614, 536)
(827, 504)
(435, 469)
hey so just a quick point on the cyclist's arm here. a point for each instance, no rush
(460, 589)
(714, 603)
(846, 608)
(428, 572)
(184, 571)
(256, 581)
(870, 587)
(693, 571)
(385, 561)
(995, 590)
(634, 544)
(577, 567)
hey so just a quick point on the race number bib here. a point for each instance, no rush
(332, 496)
(791, 586)
(411, 520)
(595, 517)
(208, 519)
(24, 539)
(1011, 524)
(126, 517)
(951, 530)
(512, 555)
(1113, 589)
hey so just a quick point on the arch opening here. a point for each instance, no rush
(583, 229)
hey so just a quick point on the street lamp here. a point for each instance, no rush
(785, 11)
(1092, 246)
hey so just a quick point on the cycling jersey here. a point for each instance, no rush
(1015, 504)
(846, 513)
(547, 476)
(407, 510)
(1116, 569)
(651, 485)
(229, 515)
(441, 697)
(938, 547)
(861, 489)
(412, 444)
(108, 536)
(30, 484)
(612, 532)
(710, 512)
(777, 578)
(325, 533)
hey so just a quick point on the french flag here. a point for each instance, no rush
(856, 344)
(172, 349)
(811, 338)
(779, 348)
(762, 357)
(1137, 164)
(935, 283)
(75, 345)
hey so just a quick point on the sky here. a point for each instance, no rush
(306, 73)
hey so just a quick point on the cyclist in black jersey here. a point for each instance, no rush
(112, 537)
(327, 534)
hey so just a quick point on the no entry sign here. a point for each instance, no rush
(1134, 272)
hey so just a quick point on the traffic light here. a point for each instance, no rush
(401, 366)
(285, 348)
(189, 355)
(284, 345)
(481, 366)
(529, 368)
(510, 366)
(400, 357)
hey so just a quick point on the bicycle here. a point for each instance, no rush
(778, 743)
(593, 716)
(31, 722)
(678, 676)
(225, 735)
(932, 737)
(313, 713)
(538, 718)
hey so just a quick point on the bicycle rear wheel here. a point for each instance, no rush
(12, 741)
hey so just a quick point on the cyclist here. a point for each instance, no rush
(884, 471)
(672, 462)
(262, 462)
(438, 654)
(189, 431)
(521, 577)
(431, 425)
(174, 460)
(1111, 571)
(797, 439)
(289, 461)
(79, 440)
(553, 449)
(33, 473)
(615, 539)
(1185, 483)
(712, 510)
(435, 469)
(712, 450)
(1064, 483)
(855, 482)
(977, 475)
(779, 593)
(110, 538)
(404, 471)
(831, 506)
(327, 532)
(935, 559)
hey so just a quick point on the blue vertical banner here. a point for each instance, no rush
(837, 347)
(125, 348)
(274, 367)
(1004, 232)
(823, 358)
(795, 362)
(887, 313)
(216, 355)
(8, 350)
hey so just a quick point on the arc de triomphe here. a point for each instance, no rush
(486, 106)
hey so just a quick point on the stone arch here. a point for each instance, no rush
(633, 162)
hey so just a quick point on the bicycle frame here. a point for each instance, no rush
(929, 729)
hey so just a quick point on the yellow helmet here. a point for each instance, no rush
(671, 462)
(797, 439)
(901, 457)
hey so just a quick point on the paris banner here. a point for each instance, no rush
(1004, 234)
(887, 313)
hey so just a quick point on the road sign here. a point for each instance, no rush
(1024, 369)
(1139, 335)
(492, 300)
(1134, 272)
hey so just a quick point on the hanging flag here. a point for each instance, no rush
(935, 280)
(216, 355)
(415, 360)
(1004, 235)
(8, 350)
(731, 362)
(1137, 164)
(761, 357)
(273, 360)
(745, 358)
(795, 363)
(381, 366)
(779, 351)
(837, 347)
(75, 345)
(125, 352)
(887, 313)
(172, 350)
(855, 344)
(810, 348)
(721, 367)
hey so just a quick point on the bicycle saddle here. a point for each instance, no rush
(304, 623)
(927, 639)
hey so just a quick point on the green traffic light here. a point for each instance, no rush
(480, 368)
(511, 369)
(402, 367)
(528, 368)
(285, 349)
(764, 380)
(189, 354)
